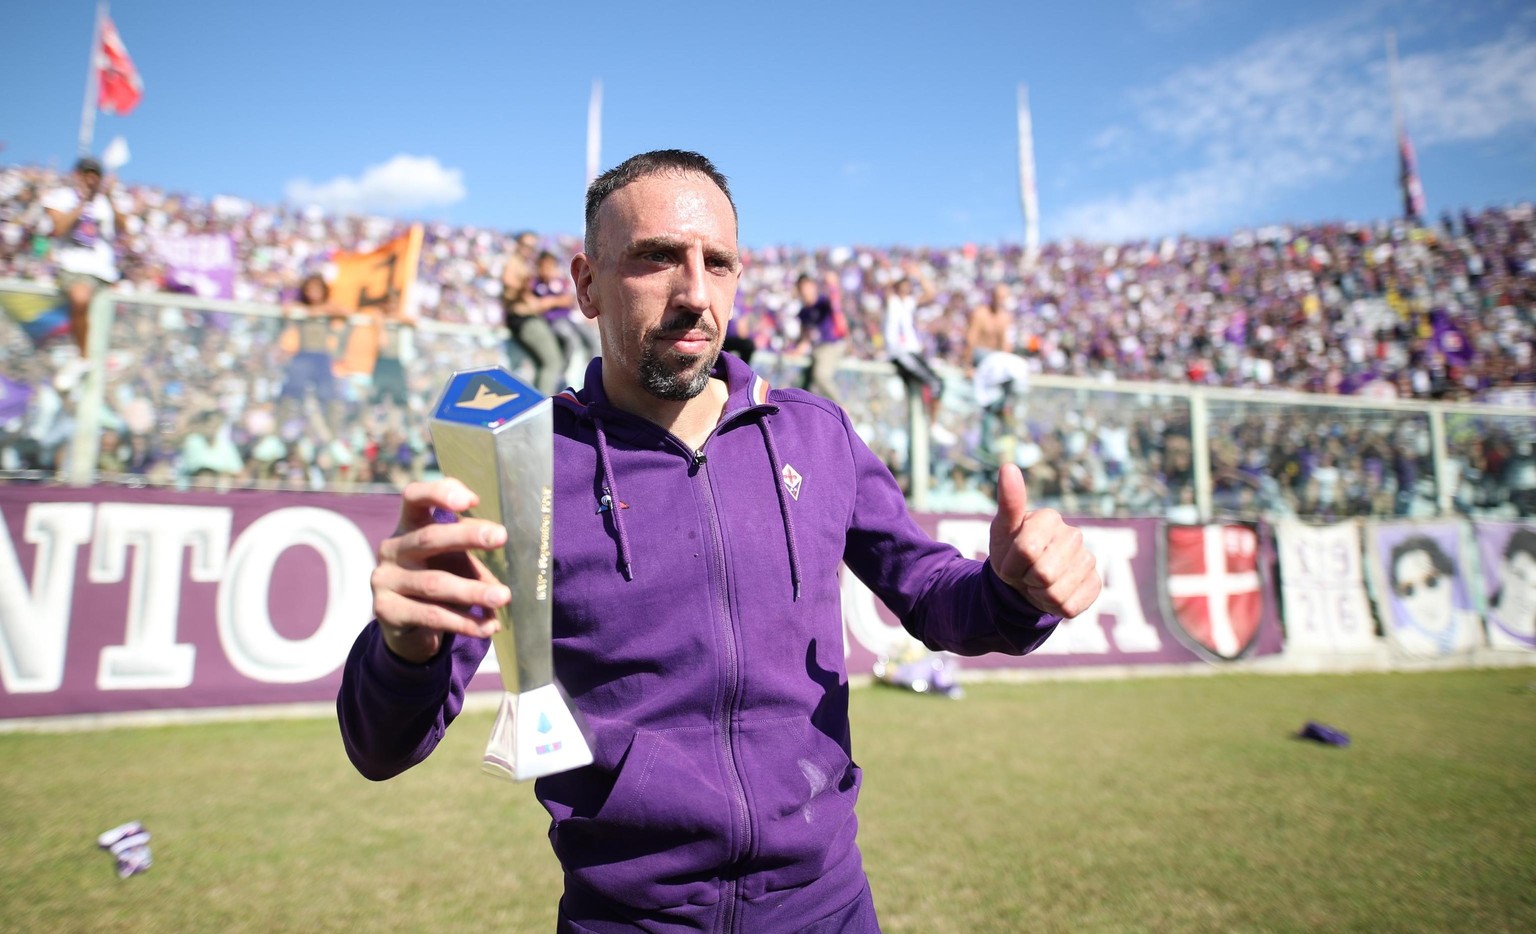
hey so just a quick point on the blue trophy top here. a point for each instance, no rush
(485, 398)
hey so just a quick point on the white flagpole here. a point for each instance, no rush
(92, 81)
(595, 131)
(1028, 197)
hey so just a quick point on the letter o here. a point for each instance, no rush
(251, 644)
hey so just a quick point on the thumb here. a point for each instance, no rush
(1012, 502)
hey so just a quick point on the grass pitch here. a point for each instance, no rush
(1175, 804)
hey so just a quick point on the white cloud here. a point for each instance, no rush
(404, 183)
(1297, 109)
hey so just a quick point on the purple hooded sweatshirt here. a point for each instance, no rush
(698, 627)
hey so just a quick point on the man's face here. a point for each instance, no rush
(90, 182)
(807, 291)
(1424, 591)
(1517, 593)
(662, 282)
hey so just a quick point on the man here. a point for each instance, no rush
(531, 336)
(998, 375)
(822, 331)
(552, 289)
(1427, 620)
(905, 346)
(700, 519)
(86, 221)
(1512, 611)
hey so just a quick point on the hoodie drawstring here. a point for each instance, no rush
(789, 522)
(614, 508)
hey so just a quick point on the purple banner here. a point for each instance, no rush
(1125, 626)
(114, 600)
(202, 264)
(127, 600)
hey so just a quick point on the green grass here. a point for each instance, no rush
(1177, 804)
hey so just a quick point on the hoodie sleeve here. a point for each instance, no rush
(945, 600)
(393, 712)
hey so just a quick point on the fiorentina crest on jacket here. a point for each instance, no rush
(1213, 589)
(792, 480)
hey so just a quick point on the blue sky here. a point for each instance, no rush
(839, 123)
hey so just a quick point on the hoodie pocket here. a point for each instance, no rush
(802, 786)
(660, 838)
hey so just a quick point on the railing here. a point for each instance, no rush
(167, 366)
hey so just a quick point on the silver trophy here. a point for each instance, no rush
(494, 433)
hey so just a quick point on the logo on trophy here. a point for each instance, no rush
(494, 433)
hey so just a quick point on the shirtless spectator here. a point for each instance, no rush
(998, 375)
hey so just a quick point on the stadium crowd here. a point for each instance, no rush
(1437, 311)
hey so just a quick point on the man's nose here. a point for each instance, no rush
(691, 290)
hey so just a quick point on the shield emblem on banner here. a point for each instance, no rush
(1212, 588)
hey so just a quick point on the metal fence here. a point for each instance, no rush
(184, 391)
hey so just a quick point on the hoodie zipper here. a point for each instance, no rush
(732, 688)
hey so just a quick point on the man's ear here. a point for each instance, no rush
(581, 274)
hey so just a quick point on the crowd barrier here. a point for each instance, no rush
(138, 590)
(116, 601)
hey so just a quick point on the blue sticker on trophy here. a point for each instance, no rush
(486, 398)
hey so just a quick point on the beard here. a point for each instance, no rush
(678, 377)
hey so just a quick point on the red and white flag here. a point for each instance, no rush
(119, 87)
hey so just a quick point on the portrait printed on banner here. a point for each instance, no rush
(1421, 589)
(1508, 553)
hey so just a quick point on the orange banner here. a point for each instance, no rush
(374, 284)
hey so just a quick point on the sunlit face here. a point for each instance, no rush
(1424, 591)
(1517, 593)
(661, 283)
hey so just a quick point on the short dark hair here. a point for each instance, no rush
(1437, 557)
(1522, 542)
(645, 165)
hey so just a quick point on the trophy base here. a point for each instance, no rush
(535, 734)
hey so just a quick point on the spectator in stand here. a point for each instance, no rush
(905, 346)
(311, 369)
(525, 321)
(823, 331)
(578, 339)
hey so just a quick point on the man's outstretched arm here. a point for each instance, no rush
(404, 680)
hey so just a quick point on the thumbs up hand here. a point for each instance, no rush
(1036, 553)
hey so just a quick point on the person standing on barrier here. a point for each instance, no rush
(700, 521)
(552, 287)
(905, 346)
(824, 332)
(86, 220)
(998, 375)
(530, 332)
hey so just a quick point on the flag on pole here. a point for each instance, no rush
(1408, 170)
(119, 88)
(594, 131)
(1028, 197)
